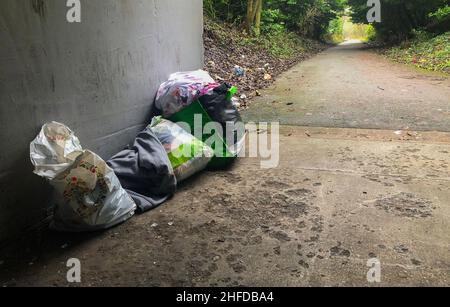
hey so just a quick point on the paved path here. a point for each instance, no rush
(348, 86)
(338, 198)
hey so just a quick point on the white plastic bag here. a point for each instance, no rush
(182, 89)
(88, 194)
(54, 150)
(187, 154)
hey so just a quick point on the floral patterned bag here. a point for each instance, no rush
(88, 194)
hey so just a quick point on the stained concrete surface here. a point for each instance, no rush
(339, 197)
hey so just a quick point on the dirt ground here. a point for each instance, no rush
(343, 193)
(224, 49)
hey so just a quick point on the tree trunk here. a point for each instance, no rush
(250, 14)
(258, 17)
(253, 20)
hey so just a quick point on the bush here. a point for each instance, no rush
(428, 53)
(335, 33)
(371, 33)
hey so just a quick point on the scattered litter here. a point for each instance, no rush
(154, 225)
(239, 71)
(243, 97)
(399, 132)
(235, 102)
(170, 223)
(257, 93)
(416, 262)
(289, 103)
(308, 134)
(267, 77)
(401, 249)
(381, 88)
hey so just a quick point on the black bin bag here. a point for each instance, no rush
(222, 110)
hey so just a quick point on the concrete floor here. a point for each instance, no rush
(339, 197)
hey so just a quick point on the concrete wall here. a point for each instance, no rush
(99, 77)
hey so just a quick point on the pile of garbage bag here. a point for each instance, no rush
(91, 194)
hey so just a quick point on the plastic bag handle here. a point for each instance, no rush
(231, 92)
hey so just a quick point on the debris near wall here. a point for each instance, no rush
(252, 63)
(92, 195)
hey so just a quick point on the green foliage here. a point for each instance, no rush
(401, 17)
(357, 31)
(309, 18)
(282, 44)
(432, 54)
(442, 13)
(232, 11)
(273, 21)
(335, 33)
(322, 18)
(343, 28)
(371, 33)
(420, 35)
